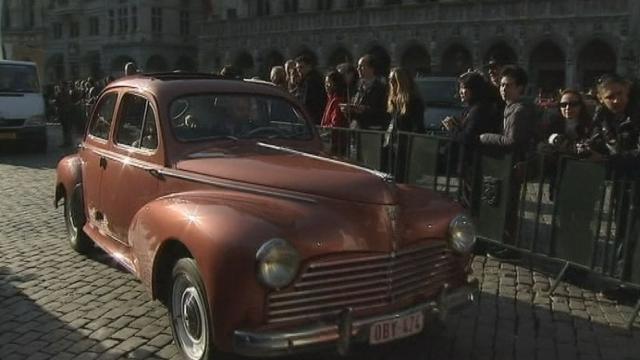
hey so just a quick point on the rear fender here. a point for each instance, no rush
(68, 177)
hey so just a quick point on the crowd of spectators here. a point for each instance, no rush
(70, 102)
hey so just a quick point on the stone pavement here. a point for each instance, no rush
(56, 304)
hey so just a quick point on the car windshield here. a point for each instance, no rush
(19, 78)
(236, 116)
(438, 91)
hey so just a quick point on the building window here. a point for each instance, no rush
(57, 30)
(94, 26)
(112, 22)
(156, 20)
(325, 5)
(232, 13)
(31, 17)
(263, 7)
(6, 23)
(134, 18)
(185, 23)
(74, 29)
(290, 6)
(74, 68)
(355, 4)
(123, 20)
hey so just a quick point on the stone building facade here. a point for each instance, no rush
(81, 38)
(560, 42)
(23, 24)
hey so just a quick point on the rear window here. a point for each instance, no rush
(19, 78)
(243, 116)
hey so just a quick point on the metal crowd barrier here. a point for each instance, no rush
(574, 212)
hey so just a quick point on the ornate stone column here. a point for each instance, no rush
(570, 64)
(434, 56)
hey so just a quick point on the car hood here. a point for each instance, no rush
(287, 169)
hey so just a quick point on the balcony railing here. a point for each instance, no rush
(429, 13)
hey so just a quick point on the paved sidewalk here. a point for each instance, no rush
(56, 304)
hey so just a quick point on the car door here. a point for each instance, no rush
(92, 152)
(130, 178)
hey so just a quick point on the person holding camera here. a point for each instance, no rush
(478, 117)
(616, 138)
(616, 127)
(570, 130)
(564, 134)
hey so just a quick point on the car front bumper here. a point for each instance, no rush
(345, 329)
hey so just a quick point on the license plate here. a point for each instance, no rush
(7, 135)
(389, 330)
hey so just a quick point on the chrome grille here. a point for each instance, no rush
(363, 281)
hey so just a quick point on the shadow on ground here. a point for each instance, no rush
(26, 329)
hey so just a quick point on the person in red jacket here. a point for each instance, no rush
(333, 116)
(335, 87)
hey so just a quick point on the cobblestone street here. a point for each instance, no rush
(57, 304)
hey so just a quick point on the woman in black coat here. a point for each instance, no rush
(479, 116)
(406, 111)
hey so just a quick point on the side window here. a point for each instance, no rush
(149, 132)
(102, 117)
(137, 125)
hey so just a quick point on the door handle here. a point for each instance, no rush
(103, 162)
(155, 173)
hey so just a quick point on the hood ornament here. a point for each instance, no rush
(393, 214)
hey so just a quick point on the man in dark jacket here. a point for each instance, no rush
(519, 116)
(368, 108)
(311, 89)
(516, 136)
(616, 127)
(616, 137)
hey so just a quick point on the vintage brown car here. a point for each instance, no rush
(215, 193)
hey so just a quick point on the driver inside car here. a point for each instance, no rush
(240, 116)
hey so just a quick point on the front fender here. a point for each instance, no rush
(223, 235)
(68, 176)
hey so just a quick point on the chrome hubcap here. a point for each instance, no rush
(191, 314)
(71, 221)
(189, 318)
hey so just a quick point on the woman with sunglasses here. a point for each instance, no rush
(572, 127)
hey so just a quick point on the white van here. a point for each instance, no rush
(22, 107)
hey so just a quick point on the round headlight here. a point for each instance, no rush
(278, 263)
(462, 234)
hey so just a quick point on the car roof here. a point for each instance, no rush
(170, 85)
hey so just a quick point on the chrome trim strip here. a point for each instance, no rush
(180, 174)
(140, 164)
(326, 333)
(234, 186)
(384, 176)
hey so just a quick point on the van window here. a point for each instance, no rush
(19, 78)
(103, 115)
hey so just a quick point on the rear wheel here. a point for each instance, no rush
(74, 219)
(188, 309)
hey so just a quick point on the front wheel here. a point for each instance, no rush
(192, 331)
(74, 220)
